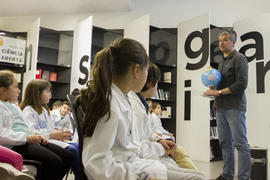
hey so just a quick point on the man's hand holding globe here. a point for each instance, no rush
(211, 77)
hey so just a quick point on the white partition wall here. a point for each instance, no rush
(30, 25)
(254, 42)
(32, 53)
(139, 30)
(82, 42)
(193, 117)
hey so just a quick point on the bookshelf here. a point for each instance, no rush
(102, 38)
(215, 150)
(163, 52)
(215, 54)
(18, 69)
(54, 61)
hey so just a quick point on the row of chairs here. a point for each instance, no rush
(77, 118)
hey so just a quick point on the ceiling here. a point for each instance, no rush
(40, 7)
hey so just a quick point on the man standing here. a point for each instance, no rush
(230, 104)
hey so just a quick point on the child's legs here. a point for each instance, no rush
(49, 155)
(153, 168)
(74, 148)
(177, 173)
(181, 175)
(182, 159)
(11, 157)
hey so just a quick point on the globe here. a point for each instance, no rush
(211, 77)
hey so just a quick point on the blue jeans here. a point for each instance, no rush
(232, 133)
(74, 148)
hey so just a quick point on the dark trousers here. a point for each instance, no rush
(55, 160)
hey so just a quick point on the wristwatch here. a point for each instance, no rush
(220, 92)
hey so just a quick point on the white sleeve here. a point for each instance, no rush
(146, 137)
(8, 137)
(31, 116)
(158, 125)
(56, 118)
(64, 123)
(98, 159)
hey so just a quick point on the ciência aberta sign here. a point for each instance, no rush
(12, 50)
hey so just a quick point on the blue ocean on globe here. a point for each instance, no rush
(211, 77)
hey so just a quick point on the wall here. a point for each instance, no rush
(164, 14)
(193, 121)
(257, 97)
(225, 13)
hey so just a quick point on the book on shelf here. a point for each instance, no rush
(166, 112)
(167, 77)
(167, 95)
(214, 132)
(53, 76)
(38, 73)
(45, 75)
(161, 94)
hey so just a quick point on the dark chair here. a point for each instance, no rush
(36, 164)
(78, 117)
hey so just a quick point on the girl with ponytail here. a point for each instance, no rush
(109, 150)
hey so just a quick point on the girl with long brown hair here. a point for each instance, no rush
(36, 111)
(109, 150)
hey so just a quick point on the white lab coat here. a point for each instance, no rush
(146, 134)
(42, 124)
(112, 153)
(157, 125)
(8, 137)
(144, 120)
(59, 121)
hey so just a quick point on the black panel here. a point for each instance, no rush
(187, 105)
(163, 46)
(102, 38)
(187, 83)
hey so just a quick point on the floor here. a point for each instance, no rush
(210, 169)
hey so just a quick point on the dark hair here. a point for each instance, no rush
(66, 103)
(32, 95)
(6, 78)
(153, 76)
(111, 62)
(231, 34)
(75, 92)
(154, 105)
(57, 103)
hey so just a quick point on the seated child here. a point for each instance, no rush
(61, 118)
(11, 157)
(111, 149)
(36, 111)
(146, 133)
(15, 133)
(157, 125)
(56, 105)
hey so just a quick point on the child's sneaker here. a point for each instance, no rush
(8, 172)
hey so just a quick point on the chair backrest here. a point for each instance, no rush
(78, 117)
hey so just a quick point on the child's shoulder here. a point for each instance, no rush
(29, 109)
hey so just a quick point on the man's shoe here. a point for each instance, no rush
(221, 178)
